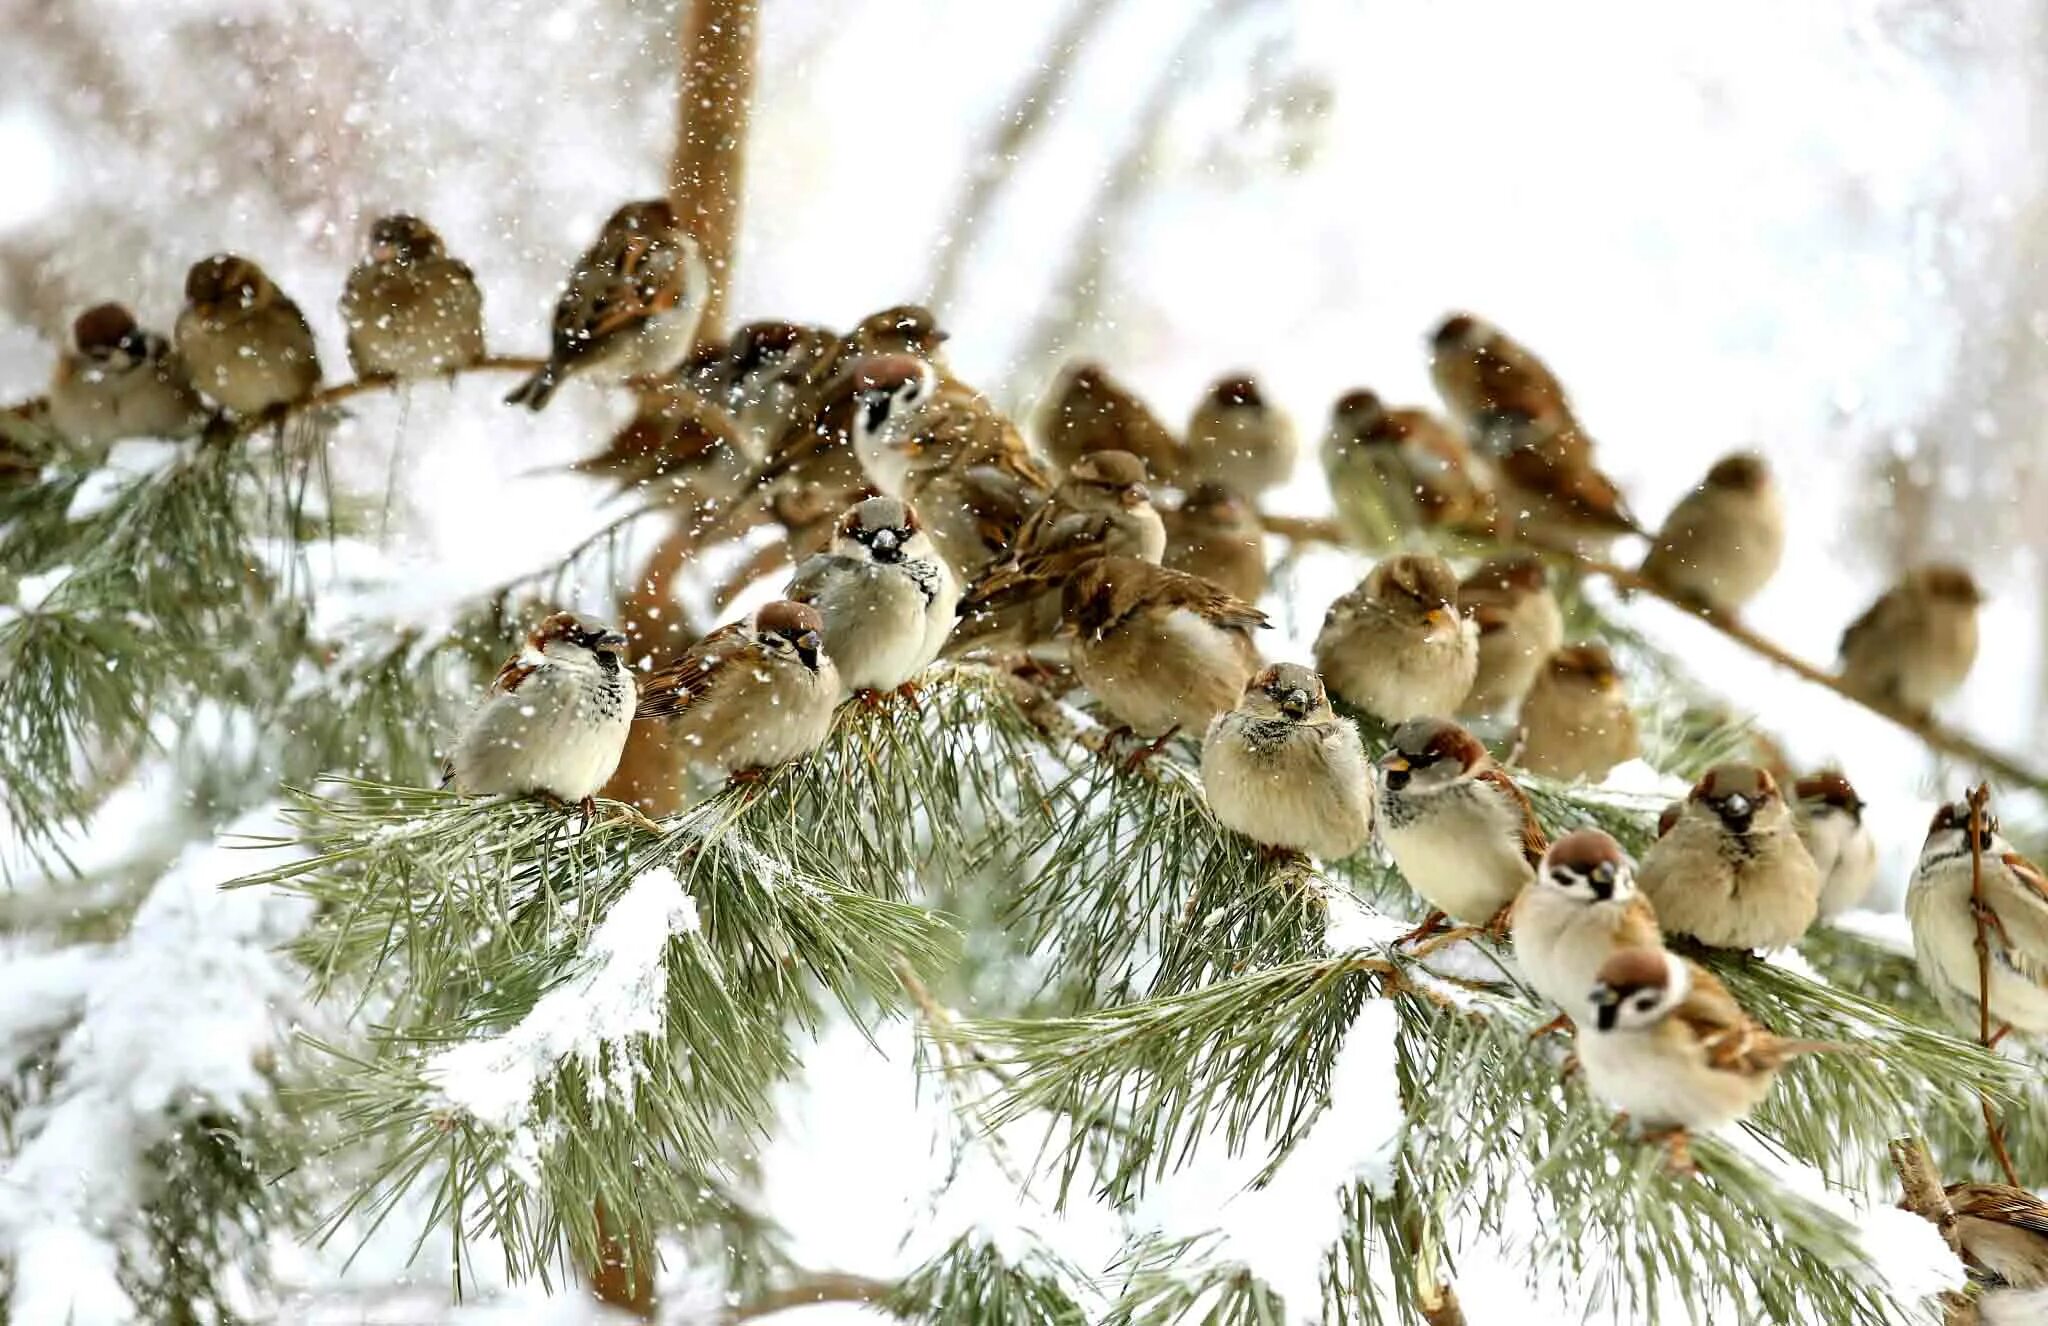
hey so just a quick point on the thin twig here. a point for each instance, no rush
(813, 1287)
(341, 391)
(1992, 1128)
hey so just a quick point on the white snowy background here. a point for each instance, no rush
(1804, 229)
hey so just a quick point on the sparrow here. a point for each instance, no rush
(1520, 626)
(968, 463)
(1285, 771)
(767, 369)
(1461, 832)
(118, 381)
(555, 720)
(1238, 438)
(1215, 533)
(1164, 651)
(631, 306)
(901, 329)
(1101, 508)
(2015, 925)
(245, 342)
(1575, 722)
(1829, 816)
(1731, 871)
(1664, 1042)
(1393, 472)
(1395, 645)
(678, 450)
(886, 597)
(410, 309)
(1494, 386)
(1548, 487)
(1722, 542)
(751, 695)
(813, 471)
(1914, 646)
(1580, 910)
(2004, 1233)
(1087, 410)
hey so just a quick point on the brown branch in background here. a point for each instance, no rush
(624, 1276)
(814, 1287)
(1979, 913)
(1920, 1183)
(1019, 123)
(707, 172)
(328, 397)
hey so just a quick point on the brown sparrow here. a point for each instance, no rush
(1915, 645)
(1164, 651)
(1520, 626)
(1101, 508)
(1575, 721)
(751, 695)
(1721, 544)
(119, 381)
(1395, 646)
(1215, 533)
(1237, 438)
(411, 310)
(2004, 1233)
(632, 303)
(1392, 472)
(971, 465)
(1548, 488)
(1829, 815)
(244, 341)
(1731, 871)
(767, 369)
(1462, 834)
(1580, 910)
(1088, 411)
(2015, 925)
(678, 450)
(1665, 1043)
(1285, 771)
(555, 720)
(887, 598)
(1493, 385)
(813, 470)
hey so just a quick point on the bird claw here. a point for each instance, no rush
(1562, 1022)
(1137, 758)
(870, 699)
(752, 776)
(1987, 918)
(1677, 1144)
(1429, 925)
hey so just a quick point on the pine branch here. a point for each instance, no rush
(972, 1283)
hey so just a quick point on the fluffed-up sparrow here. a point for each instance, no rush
(244, 341)
(1216, 534)
(1460, 831)
(1722, 542)
(1665, 1043)
(631, 305)
(1575, 721)
(1830, 819)
(2015, 923)
(1580, 910)
(1286, 771)
(555, 720)
(813, 471)
(410, 309)
(1239, 438)
(118, 381)
(1495, 386)
(1395, 645)
(751, 695)
(887, 598)
(1520, 626)
(1087, 410)
(1392, 472)
(1915, 645)
(1164, 651)
(2004, 1233)
(1731, 871)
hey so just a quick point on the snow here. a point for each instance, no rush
(595, 1016)
(127, 462)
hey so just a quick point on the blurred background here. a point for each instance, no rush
(1816, 230)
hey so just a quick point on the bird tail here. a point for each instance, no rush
(538, 390)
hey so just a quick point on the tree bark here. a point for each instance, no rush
(624, 1277)
(706, 174)
(1921, 1184)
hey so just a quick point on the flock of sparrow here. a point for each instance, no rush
(921, 523)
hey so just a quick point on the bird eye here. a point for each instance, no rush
(1645, 1001)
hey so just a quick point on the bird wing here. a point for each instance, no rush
(1533, 842)
(515, 672)
(669, 691)
(1583, 491)
(812, 578)
(1997, 1201)
(1053, 544)
(2019, 897)
(1871, 621)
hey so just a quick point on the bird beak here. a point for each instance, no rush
(1737, 804)
(612, 640)
(1441, 621)
(808, 646)
(1137, 495)
(1394, 762)
(1296, 704)
(885, 545)
(1608, 1008)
